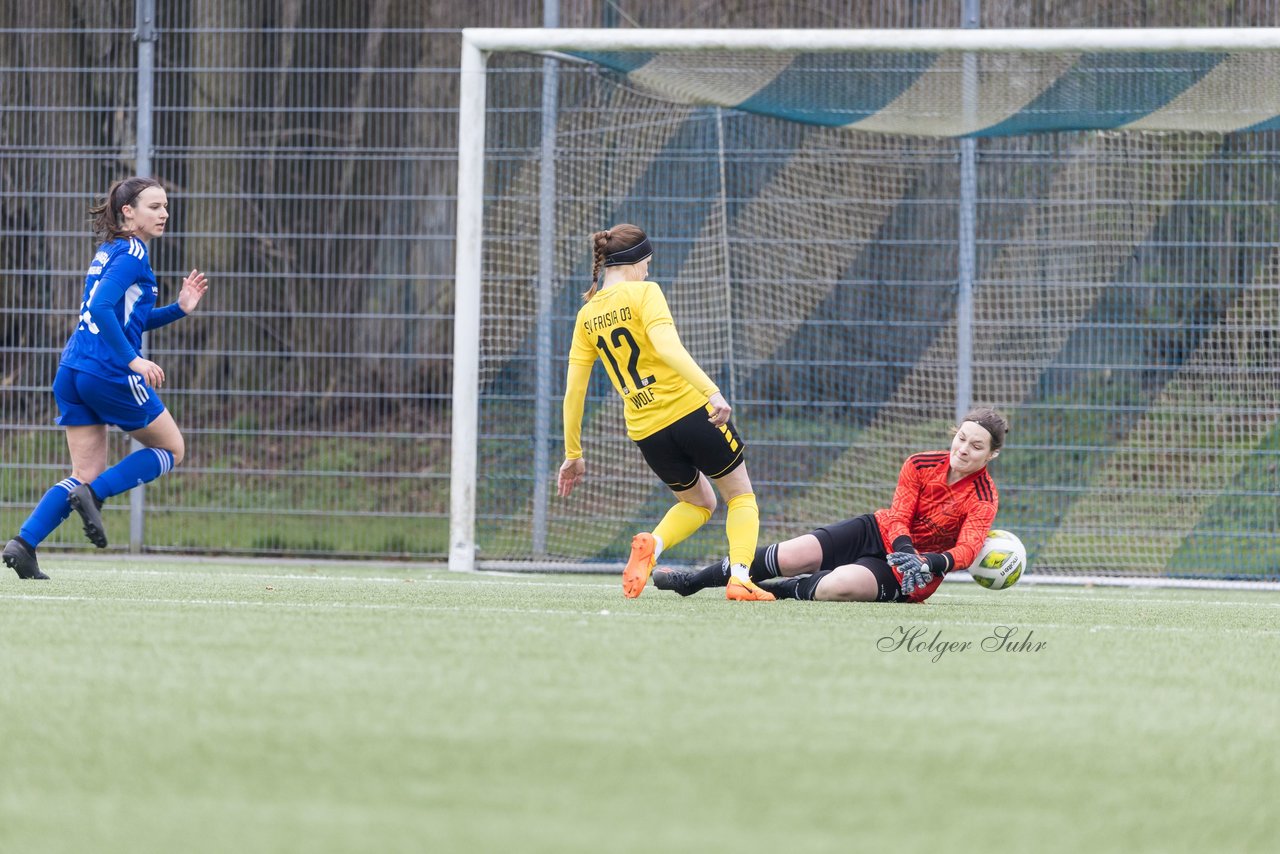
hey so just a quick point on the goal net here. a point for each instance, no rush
(861, 233)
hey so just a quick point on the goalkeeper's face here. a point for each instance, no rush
(971, 448)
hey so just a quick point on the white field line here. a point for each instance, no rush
(525, 579)
(1109, 593)
(521, 580)
(335, 606)
(1085, 597)
(520, 569)
(671, 615)
(1137, 582)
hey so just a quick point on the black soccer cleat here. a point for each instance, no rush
(679, 580)
(89, 506)
(19, 557)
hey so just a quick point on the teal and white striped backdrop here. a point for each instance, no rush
(978, 95)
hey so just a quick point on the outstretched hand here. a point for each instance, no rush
(914, 569)
(571, 471)
(720, 409)
(194, 287)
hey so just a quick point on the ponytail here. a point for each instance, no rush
(599, 244)
(107, 217)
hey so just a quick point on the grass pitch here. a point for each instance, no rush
(214, 707)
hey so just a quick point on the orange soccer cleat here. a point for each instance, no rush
(746, 591)
(639, 565)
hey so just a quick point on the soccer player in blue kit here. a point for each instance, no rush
(102, 378)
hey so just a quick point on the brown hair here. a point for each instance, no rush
(108, 220)
(991, 421)
(607, 242)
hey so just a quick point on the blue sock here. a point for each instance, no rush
(52, 510)
(136, 469)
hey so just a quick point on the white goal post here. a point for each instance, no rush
(485, 40)
(478, 44)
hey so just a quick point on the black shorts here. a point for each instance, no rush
(857, 540)
(677, 452)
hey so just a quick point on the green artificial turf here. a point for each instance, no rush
(151, 706)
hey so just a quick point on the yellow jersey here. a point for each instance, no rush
(658, 385)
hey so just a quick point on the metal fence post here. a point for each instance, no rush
(145, 36)
(966, 255)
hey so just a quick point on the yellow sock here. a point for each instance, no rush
(680, 522)
(743, 528)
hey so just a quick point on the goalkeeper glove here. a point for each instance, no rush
(914, 568)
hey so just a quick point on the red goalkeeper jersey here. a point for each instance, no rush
(952, 520)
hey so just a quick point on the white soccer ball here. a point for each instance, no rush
(1000, 562)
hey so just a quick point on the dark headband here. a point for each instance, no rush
(993, 424)
(120, 190)
(632, 255)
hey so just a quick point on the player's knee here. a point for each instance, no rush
(702, 512)
(702, 495)
(847, 584)
(178, 449)
(800, 555)
(835, 590)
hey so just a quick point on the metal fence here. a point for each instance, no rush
(310, 175)
(309, 152)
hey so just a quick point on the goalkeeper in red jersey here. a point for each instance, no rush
(941, 512)
(674, 413)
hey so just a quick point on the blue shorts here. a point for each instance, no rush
(129, 404)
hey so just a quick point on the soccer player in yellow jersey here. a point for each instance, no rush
(674, 413)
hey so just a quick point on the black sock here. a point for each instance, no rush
(808, 585)
(786, 588)
(714, 575)
(765, 564)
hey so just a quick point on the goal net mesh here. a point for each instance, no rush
(805, 212)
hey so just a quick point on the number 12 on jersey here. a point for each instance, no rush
(633, 360)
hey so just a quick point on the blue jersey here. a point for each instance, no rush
(119, 295)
